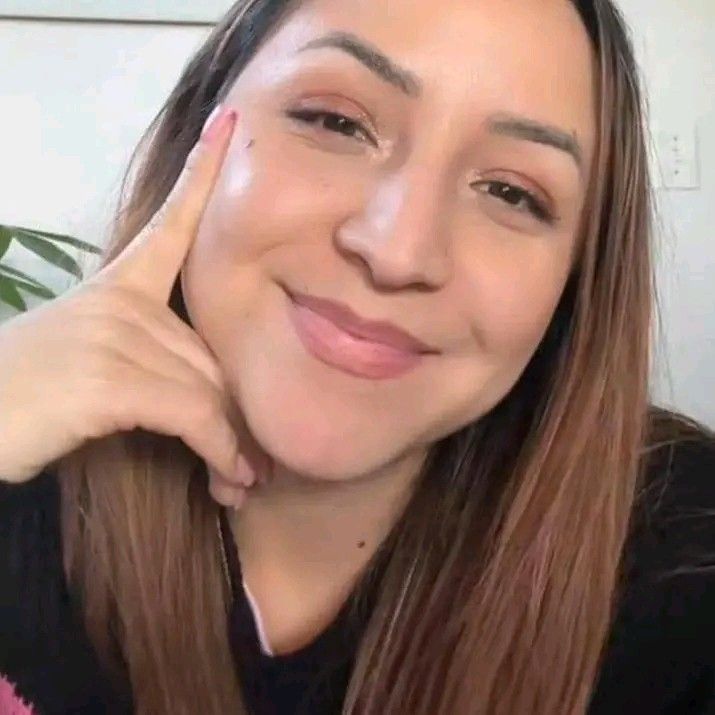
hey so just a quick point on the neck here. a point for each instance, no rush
(312, 528)
(302, 543)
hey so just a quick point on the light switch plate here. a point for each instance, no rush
(677, 156)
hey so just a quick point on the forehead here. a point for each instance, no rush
(471, 57)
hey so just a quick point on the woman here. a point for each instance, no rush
(452, 495)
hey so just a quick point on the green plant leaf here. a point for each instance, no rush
(60, 238)
(34, 287)
(10, 295)
(5, 239)
(11, 272)
(49, 252)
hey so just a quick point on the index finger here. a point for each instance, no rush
(152, 261)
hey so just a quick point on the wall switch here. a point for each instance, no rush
(677, 157)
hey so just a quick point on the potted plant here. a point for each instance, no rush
(43, 244)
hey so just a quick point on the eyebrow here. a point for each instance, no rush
(411, 85)
(530, 130)
(405, 80)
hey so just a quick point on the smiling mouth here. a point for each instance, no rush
(330, 343)
(374, 331)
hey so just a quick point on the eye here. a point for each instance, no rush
(332, 122)
(520, 199)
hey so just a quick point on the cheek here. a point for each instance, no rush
(523, 313)
(245, 218)
(512, 303)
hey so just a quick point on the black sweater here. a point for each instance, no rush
(660, 659)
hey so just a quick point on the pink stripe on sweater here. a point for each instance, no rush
(10, 702)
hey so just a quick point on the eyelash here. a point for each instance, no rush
(308, 116)
(534, 206)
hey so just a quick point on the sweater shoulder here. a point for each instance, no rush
(31, 575)
(47, 664)
(30, 548)
(674, 512)
(660, 655)
(35, 502)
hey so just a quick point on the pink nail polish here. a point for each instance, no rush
(217, 121)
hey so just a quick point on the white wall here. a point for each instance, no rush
(74, 100)
(675, 40)
(75, 97)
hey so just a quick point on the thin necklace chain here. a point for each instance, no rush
(224, 559)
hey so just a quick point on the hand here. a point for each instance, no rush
(109, 355)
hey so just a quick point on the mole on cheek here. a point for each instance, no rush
(250, 144)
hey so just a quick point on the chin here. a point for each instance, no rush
(314, 431)
(319, 446)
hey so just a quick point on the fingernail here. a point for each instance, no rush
(244, 471)
(217, 121)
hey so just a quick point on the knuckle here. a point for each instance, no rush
(222, 493)
(216, 375)
(101, 330)
(106, 365)
(105, 312)
(106, 298)
(116, 330)
(213, 374)
(207, 409)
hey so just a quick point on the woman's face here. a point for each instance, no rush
(447, 203)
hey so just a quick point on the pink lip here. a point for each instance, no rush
(376, 331)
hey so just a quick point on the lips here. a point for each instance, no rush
(346, 319)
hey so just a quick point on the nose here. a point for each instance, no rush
(401, 235)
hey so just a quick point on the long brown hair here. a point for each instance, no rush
(501, 574)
